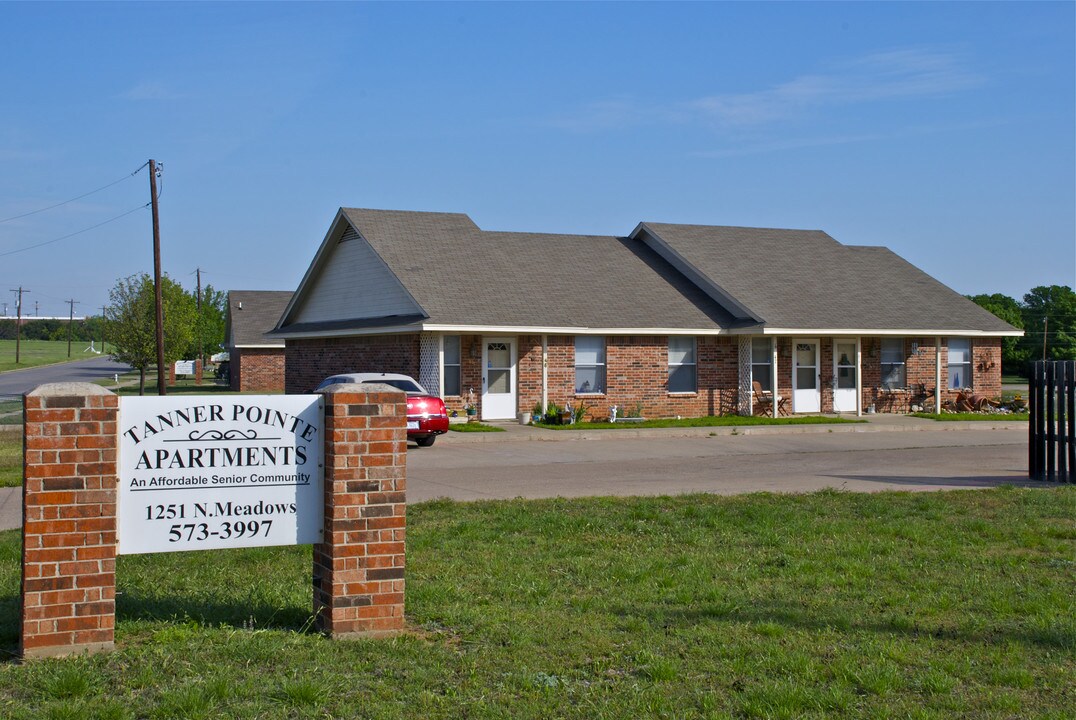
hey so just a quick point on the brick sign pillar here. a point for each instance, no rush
(359, 568)
(69, 520)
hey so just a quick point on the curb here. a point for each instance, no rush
(527, 434)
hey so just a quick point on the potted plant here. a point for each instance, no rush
(471, 406)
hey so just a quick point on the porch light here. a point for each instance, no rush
(915, 348)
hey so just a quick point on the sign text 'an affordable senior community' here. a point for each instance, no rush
(201, 473)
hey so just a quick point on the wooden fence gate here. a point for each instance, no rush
(1052, 426)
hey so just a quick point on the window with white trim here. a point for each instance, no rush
(589, 364)
(762, 362)
(452, 365)
(893, 368)
(959, 363)
(682, 364)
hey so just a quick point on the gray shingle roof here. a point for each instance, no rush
(261, 309)
(461, 275)
(804, 279)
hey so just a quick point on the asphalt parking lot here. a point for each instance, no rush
(655, 464)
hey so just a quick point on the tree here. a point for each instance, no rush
(132, 324)
(209, 327)
(1013, 355)
(1056, 304)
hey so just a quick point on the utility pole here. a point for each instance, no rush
(104, 321)
(1045, 325)
(70, 321)
(161, 378)
(18, 321)
(201, 356)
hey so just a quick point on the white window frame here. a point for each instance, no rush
(902, 363)
(693, 365)
(599, 366)
(967, 364)
(757, 342)
(448, 368)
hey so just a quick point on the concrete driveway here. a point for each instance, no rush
(889, 454)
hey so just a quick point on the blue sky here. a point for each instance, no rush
(946, 132)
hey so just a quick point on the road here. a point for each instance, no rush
(18, 382)
(727, 464)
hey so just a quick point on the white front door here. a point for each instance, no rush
(498, 378)
(844, 376)
(806, 394)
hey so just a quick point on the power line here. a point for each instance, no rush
(65, 202)
(91, 227)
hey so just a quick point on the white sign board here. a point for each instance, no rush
(184, 367)
(206, 472)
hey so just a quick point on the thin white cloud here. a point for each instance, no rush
(149, 90)
(881, 76)
(824, 141)
(906, 73)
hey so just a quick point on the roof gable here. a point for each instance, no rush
(806, 280)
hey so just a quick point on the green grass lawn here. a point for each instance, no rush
(707, 421)
(830, 605)
(41, 352)
(474, 427)
(10, 458)
(951, 416)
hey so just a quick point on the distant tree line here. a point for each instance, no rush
(1047, 315)
(81, 330)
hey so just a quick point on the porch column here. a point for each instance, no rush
(773, 381)
(745, 400)
(937, 375)
(859, 377)
(545, 373)
(429, 360)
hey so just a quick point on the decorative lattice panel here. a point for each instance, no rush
(744, 403)
(429, 362)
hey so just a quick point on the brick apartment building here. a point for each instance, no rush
(256, 360)
(669, 320)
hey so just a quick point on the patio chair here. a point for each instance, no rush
(763, 401)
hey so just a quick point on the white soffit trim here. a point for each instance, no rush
(894, 331)
(260, 347)
(573, 330)
(499, 330)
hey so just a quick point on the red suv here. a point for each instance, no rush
(426, 414)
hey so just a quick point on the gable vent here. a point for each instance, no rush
(350, 234)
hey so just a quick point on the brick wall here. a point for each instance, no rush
(69, 526)
(257, 369)
(636, 371)
(308, 362)
(359, 570)
(636, 375)
(920, 370)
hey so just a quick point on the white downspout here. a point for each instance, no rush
(859, 377)
(773, 390)
(937, 375)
